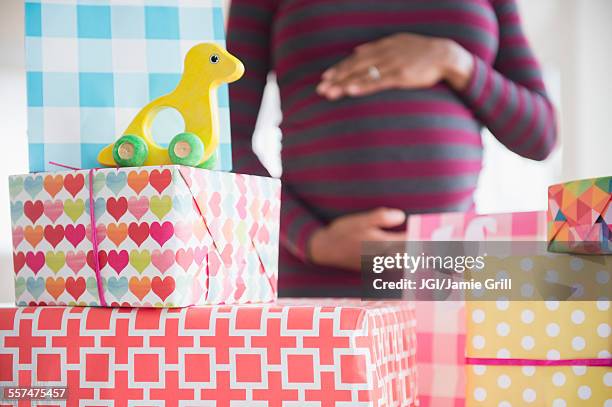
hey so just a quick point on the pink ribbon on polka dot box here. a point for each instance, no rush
(539, 352)
(159, 236)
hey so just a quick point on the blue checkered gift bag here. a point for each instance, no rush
(92, 64)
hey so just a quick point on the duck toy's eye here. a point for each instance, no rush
(214, 58)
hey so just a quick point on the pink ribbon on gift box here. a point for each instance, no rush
(607, 362)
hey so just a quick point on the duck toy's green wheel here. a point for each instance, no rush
(210, 163)
(130, 151)
(186, 149)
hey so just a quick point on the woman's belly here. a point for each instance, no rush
(419, 151)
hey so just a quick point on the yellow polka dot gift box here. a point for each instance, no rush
(540, 353)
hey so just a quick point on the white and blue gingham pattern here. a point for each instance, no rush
(92, 64)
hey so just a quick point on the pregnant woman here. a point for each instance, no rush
(383, 103)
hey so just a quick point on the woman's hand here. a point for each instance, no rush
(400, 61)
(339, 243)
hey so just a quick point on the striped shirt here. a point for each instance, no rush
(416, 150)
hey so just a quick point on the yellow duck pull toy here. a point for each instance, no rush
(206, 67)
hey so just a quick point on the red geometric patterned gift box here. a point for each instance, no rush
(293, 353)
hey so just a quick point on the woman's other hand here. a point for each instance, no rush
(339, 243)
(400, 61)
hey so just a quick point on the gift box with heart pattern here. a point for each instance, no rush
(168, 236)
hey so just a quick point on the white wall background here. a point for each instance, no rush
(13, 155)
(571, 37)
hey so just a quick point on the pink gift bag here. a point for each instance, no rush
(441, 328)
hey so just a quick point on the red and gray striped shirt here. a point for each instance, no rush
(416, 150)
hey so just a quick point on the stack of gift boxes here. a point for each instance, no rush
(157, 285)
(515, 353)
(121, 250)
(557, 351)
(175, 236)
